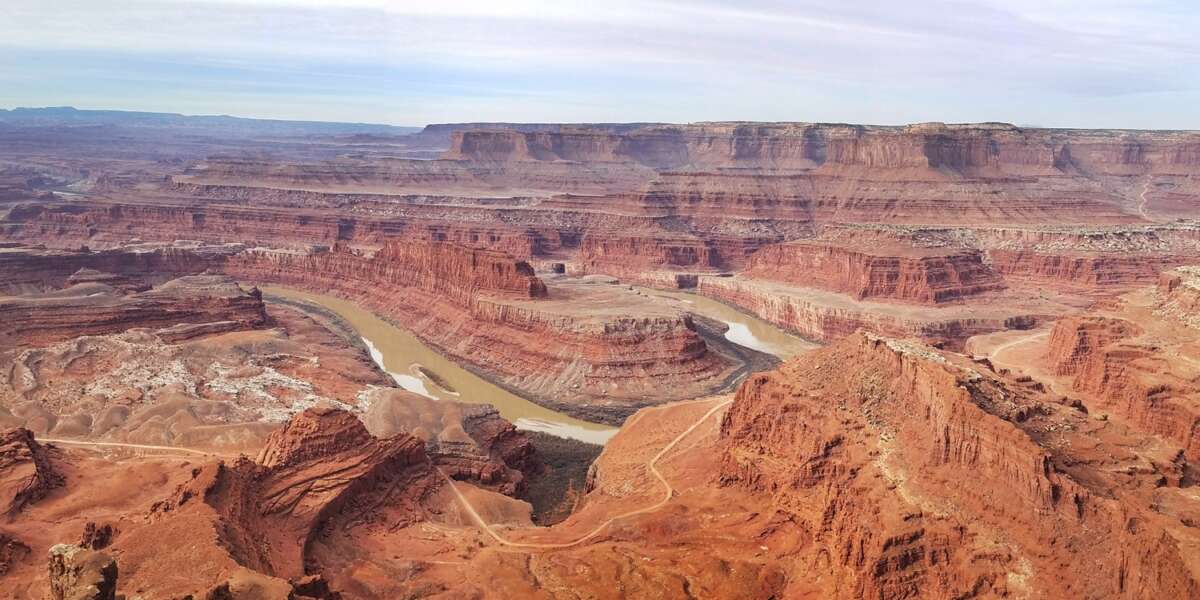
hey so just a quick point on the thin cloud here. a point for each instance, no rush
(628, 59)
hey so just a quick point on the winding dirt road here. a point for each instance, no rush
(1021, 340)
(652, 465)
(668, 491)
(123, 445)
(1142, 200)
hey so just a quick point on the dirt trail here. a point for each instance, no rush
(1142, 200)
(1022, 340)
(652, 465)
(668, 491)
(137, 446)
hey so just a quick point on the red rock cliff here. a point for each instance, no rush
(1179, 295)
(322, 469)
(179, 308)
(1131, 376)
(917, 474)
(493, 313)
(892, 272)
(459, 272)
(36, 269)
(981, 147)
(633, 255)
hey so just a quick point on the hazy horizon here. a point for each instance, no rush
(422, 125)
(1049, 63)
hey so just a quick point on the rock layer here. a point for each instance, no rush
(983, 148)
(601, 361)
(180, 308)
(33, 269)
(826, 316)
(1120, 370)
(466, 441)
(917, 474)
(890, 272)
(320, 469)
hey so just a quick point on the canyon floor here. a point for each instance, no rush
(714, 360)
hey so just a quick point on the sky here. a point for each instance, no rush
(1062, 63)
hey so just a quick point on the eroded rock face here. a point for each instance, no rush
(459, 272)
(494, 313)
(915, 473)
(825, 316)
(632, 255)
(1076, 340)
(1179, 295)
(77, 573)
(1089, 270)
(27, 471)
(180, 309)
(324, 490)
(1122, 371)
(972, 147)
(321, 469)
(32, 269)
(466, 441)
(12, 552)
(907, 274)
(451, 273)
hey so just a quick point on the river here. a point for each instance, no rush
(410, 362)
(744, 330)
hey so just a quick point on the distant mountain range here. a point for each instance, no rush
(207, 124)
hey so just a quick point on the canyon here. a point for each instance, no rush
(782, 360)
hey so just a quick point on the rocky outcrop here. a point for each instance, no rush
(12, 553)
(1179, 295)
(1087, 270)
(469, 442)
(914, 473)
(826, 316)
(632, 254)
(77, 573)
(880, 271)
(34, 269)
(27, 471)
(322, 469)
(1074, 341)
(1122, 372)
(97, 537)
(181, 308)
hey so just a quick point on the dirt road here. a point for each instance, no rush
(668, 491)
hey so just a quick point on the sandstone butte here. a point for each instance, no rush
(1005, 406)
